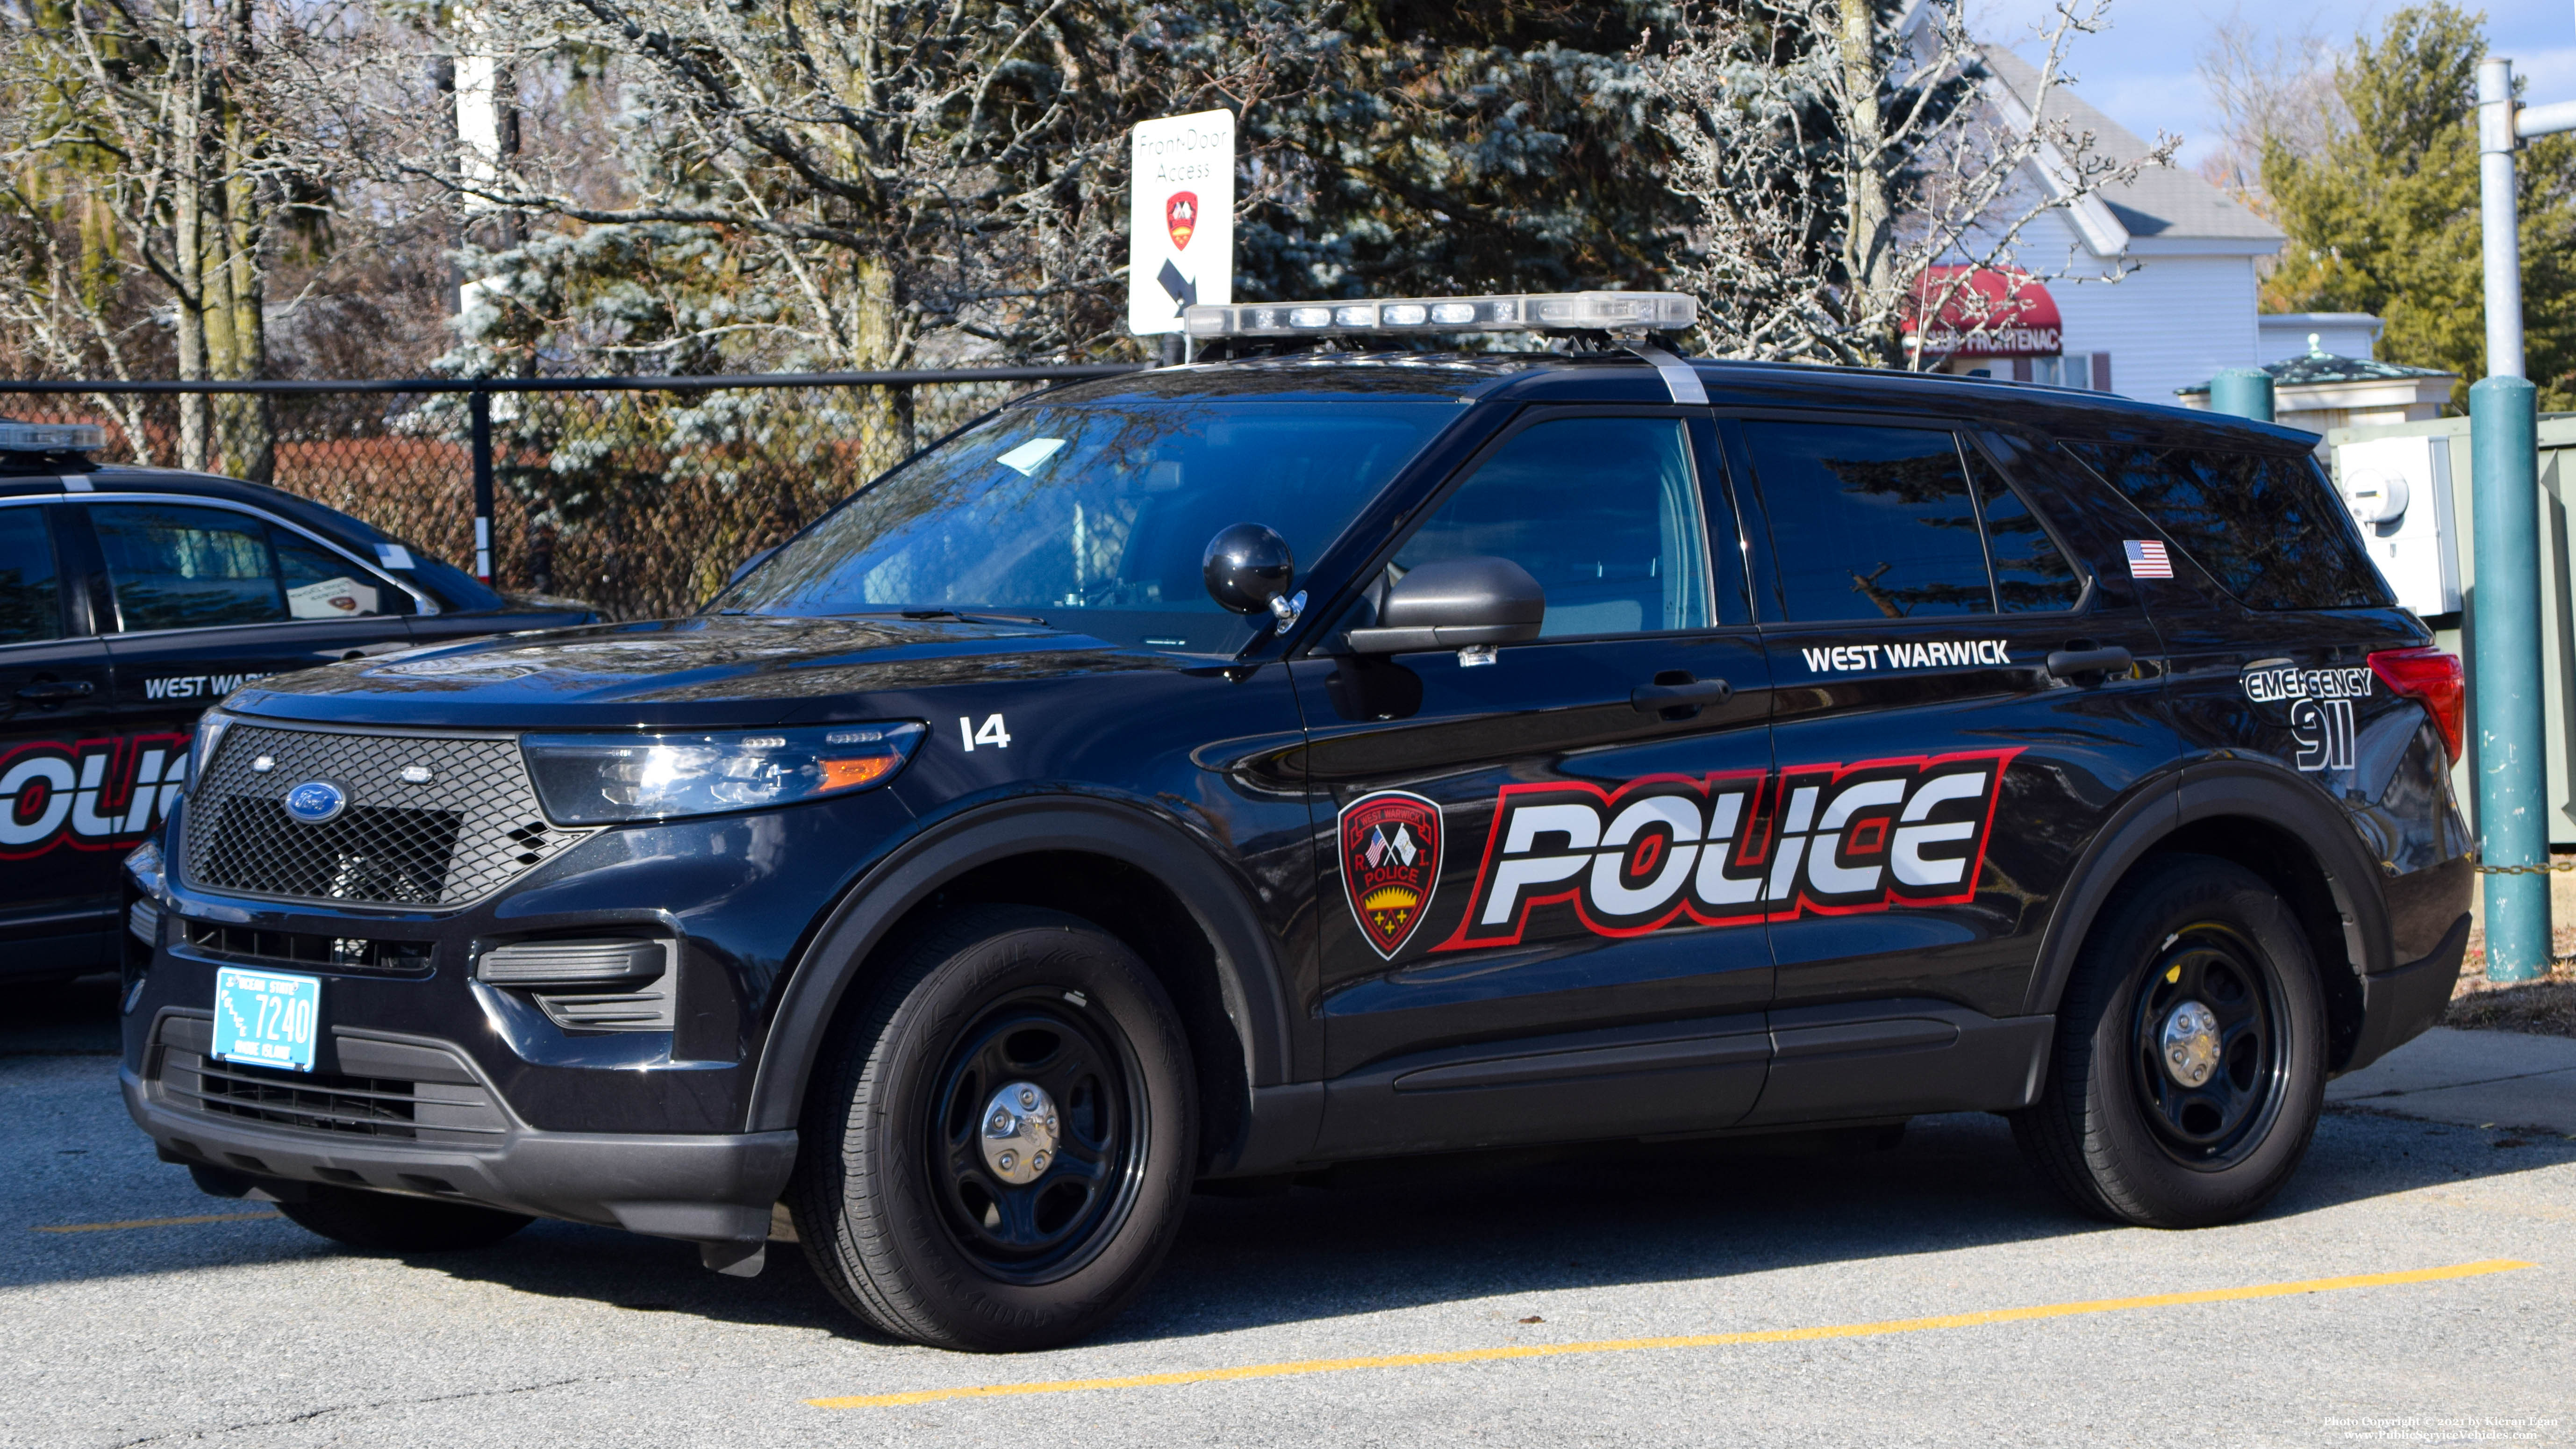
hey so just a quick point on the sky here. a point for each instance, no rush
(2140, 69)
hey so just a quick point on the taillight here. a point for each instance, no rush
(2432, 678)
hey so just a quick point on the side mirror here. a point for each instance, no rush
(1454, 603)
(1248, 569)
(753, 562)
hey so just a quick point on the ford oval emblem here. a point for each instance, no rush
(316, 801)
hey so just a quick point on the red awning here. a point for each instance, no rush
(1983, 312)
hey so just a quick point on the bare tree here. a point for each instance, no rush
(2268, 90)
(1843, 168)
(880, 178)
(156, 147)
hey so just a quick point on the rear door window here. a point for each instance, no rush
(1868, 522)
(31, 606)
(2266, 526)
(2032, 574)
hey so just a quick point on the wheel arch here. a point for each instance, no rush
(1220, 968)
(2275, 825)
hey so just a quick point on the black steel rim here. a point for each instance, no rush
(2218, 1122)
(1039, 1231)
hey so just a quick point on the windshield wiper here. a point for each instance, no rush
(978, 617)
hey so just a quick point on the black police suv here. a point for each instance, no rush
(130, 600)
(1246, 766)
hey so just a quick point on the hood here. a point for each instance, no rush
(708, 672)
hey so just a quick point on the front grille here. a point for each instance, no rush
(395, 1089)
(317, 1101)
(305, 948)
(450, 840)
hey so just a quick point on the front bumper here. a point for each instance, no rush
(426, 1123)
(430, 1081)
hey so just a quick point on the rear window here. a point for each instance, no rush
(2267, 527)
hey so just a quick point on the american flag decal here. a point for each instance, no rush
(2147, 559)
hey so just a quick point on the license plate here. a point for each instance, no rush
(266, 1019)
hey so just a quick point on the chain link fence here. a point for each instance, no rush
(637, 495)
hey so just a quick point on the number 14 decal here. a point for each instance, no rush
(991, 733)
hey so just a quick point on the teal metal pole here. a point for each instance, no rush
(2513, 774)
(2242, 392)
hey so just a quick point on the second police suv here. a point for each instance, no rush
(1233, 769)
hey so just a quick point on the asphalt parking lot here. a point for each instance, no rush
(2417, 1284)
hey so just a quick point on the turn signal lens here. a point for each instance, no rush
(850, 774)
(2431, 677)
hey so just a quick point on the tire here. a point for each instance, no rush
(905, 1204)
(381, 1222)
(2210, 1135)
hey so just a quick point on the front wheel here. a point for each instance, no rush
(999, 1154)
(2190, 1053)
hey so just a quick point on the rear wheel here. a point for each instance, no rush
(381, 1222)
(998, 1156)
(2190, 1053)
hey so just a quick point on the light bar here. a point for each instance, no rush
(51, 438)
(1528, 312)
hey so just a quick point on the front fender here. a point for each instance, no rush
(1247, 967)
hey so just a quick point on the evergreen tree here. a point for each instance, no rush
(2384, 219)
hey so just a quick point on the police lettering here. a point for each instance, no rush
(89, 794)
(1734, 849)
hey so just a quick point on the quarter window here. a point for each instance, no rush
(30, 608)
(2266, 526)
(1868, 523)
(1603, 512)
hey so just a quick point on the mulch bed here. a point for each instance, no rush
(2546, 1007)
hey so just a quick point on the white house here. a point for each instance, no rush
(2186, 309)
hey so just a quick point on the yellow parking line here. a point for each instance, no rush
(1700, 1340)
(154, 1223)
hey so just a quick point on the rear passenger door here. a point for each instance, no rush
(1936, 780)
(1526, 932)
(59, 839)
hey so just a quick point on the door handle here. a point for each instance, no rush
(54, 691)
(1682, 692)
(2110, 659)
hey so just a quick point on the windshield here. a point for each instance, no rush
(1093, 517)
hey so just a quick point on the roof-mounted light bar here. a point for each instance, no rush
(1528, 312)
(51, 438)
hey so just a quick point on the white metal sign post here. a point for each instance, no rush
(1180, 219)
(2504, 638)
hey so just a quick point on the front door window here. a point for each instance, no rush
(1603, 512)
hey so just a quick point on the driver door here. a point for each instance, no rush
(1537, 916)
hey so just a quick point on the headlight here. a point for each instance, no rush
(602, 779)
(210, 734)
(144, 865)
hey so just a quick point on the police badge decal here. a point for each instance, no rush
(1390, 865)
